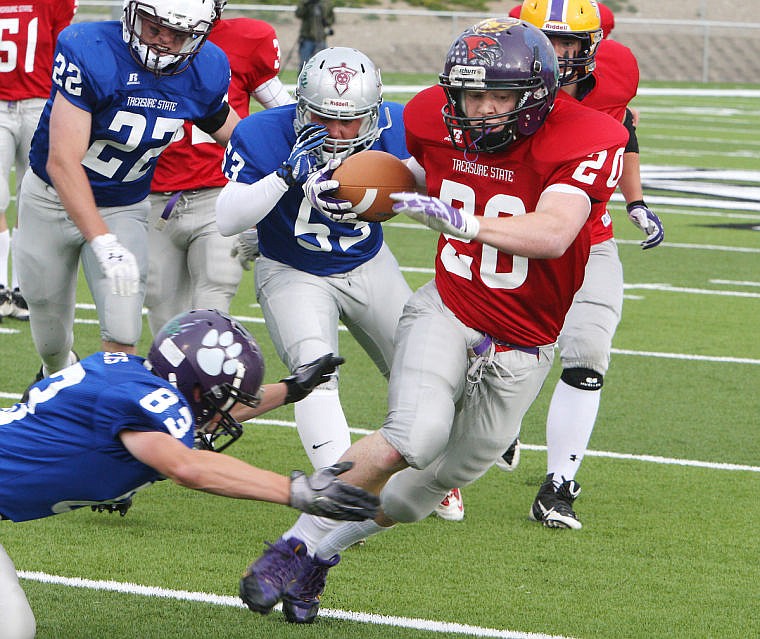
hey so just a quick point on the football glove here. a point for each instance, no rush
(648, 222)
(436, 214)
(246, 247)
(317, 189)
(324, 495)
(118, 264)
(308, 376)
(303, 157)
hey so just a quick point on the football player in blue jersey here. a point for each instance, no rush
(317, 267)
(98, 431)
(120, 90)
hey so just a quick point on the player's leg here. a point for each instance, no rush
(372, 298)
(214, 274)
(120, 315)
(167, 290)
(488, 417)
(15, 612)
(7, 154)
(29, 114)
(584, 344)
(47, 246)
(301, 314)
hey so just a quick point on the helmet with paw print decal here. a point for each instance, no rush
(214, 362)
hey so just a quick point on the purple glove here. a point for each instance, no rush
(436, 214)
(647, 221)
(316, 189)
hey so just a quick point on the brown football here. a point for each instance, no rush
(368, 178)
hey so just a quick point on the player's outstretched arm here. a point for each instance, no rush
(321, 494)
(292, 388)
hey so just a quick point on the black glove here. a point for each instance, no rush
(324, 495)
(308, 376)
(118, 507)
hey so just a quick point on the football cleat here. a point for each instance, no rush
(19, 308)
(553, 505)
(265, 580)
(120, 507)
(511, 457)
(6, 302)
(451, 507)
(300, 602)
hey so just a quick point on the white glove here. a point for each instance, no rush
(118, 264)
(246, 247)
(436, 214)
(317, 190)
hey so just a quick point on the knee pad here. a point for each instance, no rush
(583, 378)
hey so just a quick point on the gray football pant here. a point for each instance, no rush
(190, 265)
(586, 337)
(450, 414)
(302, 311)
(48, 247)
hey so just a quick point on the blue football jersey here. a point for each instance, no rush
(294, 233)
(134, 112)
(61, 450)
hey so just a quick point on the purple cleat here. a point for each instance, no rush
(265, 580)
(300, 601)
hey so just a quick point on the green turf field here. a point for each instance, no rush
(670, 505)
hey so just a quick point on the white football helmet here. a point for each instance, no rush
(340, 83)
(192, 18)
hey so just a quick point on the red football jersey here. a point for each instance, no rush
(28, 32)
(616, 81)
(194, 161)
(514, 299)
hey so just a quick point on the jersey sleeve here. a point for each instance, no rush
(65, 10)
(72, 76)
(215, 74)
(263, 51)
(392, 140)
(591, 150)
(422, 121)
(145, 406)
(259, 144)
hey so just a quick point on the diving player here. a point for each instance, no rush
(98, 431)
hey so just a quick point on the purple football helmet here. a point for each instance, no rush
(214, 362)
(499, 54)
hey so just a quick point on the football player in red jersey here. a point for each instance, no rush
(191, 265)
(603, 75)
(27, 37)
(513, 178)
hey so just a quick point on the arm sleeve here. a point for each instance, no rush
(633, 141)
(272, 93)
(215, 122)
(241, 206)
